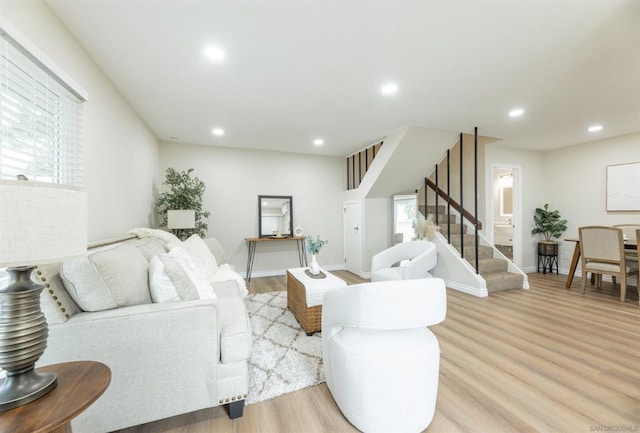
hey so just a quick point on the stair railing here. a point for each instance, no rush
(439, 192)
(358, 164)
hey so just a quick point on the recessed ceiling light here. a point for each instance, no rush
(389, 89)
(517, 112)
(217, 131)
(595, 128)
(214, 53)
(318, 141)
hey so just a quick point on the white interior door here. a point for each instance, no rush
(353, 237)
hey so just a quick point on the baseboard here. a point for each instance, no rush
(475, 291)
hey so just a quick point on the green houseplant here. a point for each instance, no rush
(548, 223)
(185, 192)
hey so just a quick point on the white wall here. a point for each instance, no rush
(378, 233)
(575, 183)
(120, 152)
(235, 177)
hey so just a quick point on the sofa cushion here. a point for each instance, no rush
(201, 256)
(107, 278)
(388, 274)
(169, 282)
(149, 247)
(234, 328)
(180, 255)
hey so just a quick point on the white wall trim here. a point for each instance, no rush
(24, 44)
(475, 291)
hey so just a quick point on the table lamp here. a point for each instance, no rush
(39, 223)
(178, 219)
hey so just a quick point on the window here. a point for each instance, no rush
(404, 215)
(40, 118)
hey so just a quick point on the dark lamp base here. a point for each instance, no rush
(25, 388)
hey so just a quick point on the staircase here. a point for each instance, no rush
(493, 269)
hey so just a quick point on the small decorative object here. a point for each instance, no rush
(39, 223)
(298, 231)
(426, 228)
(184, 193)
(314, 246)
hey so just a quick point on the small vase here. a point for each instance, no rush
(314, 267)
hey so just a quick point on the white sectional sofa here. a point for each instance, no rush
(167, 357)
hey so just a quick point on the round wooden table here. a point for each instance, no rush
(79, 385)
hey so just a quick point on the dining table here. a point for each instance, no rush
(629, 244)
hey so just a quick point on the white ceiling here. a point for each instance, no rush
(297, 70)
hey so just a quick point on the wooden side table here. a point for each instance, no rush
(79, 385)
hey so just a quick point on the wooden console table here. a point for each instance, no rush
(79, 385)
(254, 241)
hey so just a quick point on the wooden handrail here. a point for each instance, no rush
(454, 204)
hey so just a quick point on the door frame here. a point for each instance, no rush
(516, 170)
(358, 269)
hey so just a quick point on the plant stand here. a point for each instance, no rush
(548, 256)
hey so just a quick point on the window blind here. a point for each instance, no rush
(40, 121)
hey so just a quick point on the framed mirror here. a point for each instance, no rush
(506, 195)
(275, 216)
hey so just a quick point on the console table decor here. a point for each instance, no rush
(80, 383)
(253, 242)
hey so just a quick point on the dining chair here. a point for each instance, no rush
(602, 252)
(629, 233)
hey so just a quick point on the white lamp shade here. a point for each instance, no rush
(181, 219)
(41, 222)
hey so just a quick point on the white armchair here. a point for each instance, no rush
(421, 257)
(379, 356)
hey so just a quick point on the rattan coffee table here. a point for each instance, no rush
(304, 296)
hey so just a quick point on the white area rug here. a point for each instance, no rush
(284, 359)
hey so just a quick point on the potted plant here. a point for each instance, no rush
(314, 246)
(184, 192)
(549, 224)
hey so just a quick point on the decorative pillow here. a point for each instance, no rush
(169, 282)
(107, 278)
(205, 291)
(201, 256)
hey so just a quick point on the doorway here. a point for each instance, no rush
(506, 219)
(352, 227)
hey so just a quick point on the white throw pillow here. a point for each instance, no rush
(205, 291)
(201, 256)
(169, 282)
(107, 278)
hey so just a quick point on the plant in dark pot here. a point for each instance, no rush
(549, 224)
(185, 193)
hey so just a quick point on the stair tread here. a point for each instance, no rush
(500, 281)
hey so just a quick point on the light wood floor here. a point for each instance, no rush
(540, 360)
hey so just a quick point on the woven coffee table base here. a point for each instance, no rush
(309, 318)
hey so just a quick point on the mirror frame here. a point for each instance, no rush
(278, 197)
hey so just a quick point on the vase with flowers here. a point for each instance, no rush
(313, 247)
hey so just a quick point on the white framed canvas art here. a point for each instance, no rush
(623, 187)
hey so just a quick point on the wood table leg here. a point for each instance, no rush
(574, 265)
